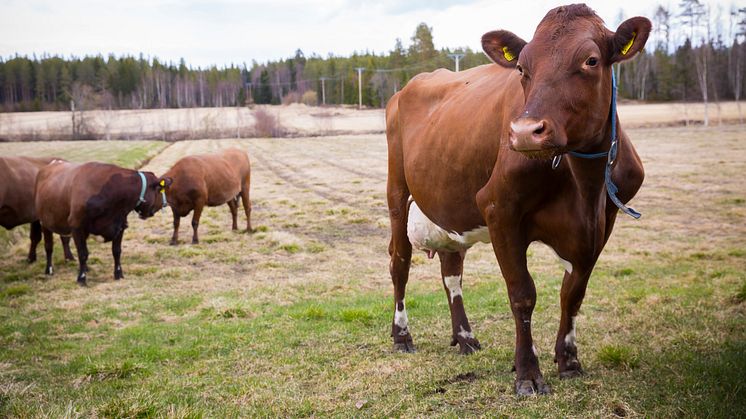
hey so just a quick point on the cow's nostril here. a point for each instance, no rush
(540, 128)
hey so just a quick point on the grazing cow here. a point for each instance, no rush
(510, 153)
(18, 176)
(209, 180)
(93, 198)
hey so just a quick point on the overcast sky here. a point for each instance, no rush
(237, 31)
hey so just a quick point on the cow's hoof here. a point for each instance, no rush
(406, 347)
(69, 258)
(118, 275)
(31, 259)
(466, 346)
(571, 374)
(49, 271)
(531, 387)
(195, 241)
(82, 282)
(572, 370)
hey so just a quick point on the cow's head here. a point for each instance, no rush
(565, 72)
(153, 199)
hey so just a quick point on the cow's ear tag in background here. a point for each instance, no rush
(625, 48)
(163, 186)
(508, 55)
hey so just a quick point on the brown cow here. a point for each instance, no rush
(478, 156)
(209, 180)
(18, 176)
(93, 198)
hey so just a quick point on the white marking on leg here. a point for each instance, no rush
(400, 319)
(453, 283)
(534, 350)
(570, 336)
(465, 333)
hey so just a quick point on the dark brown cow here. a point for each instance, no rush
(209, 180)
(478, 156)
(18, 176)
(93, 198)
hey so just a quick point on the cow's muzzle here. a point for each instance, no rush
(534, 138)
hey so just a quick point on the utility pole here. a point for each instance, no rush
(323, 90)
(360, 86)
(456, 58)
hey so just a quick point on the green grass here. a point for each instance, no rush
(238, 326)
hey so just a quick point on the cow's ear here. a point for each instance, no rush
(165, 182)
(503, 47)
(629, 39)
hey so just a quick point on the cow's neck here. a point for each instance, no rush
(589, 172)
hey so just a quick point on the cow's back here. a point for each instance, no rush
(53, 194)
(203, 177)
(449, 127)
(18, 176)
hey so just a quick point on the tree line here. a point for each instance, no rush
(696, 53)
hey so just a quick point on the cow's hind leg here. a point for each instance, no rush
(400, 250)
(48, 249)
(451, 268)
(66, 248)
(245, 199)
(233, 205)
(35, 236)
(116, 251)
(80, 237)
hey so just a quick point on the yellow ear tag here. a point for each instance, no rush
(163, 183)
(508, 55)
(626, 48)
(163, 186)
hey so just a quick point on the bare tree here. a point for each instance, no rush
(695, 15)
(662, 27)
(735, 58)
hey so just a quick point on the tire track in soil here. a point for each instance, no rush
(341, 230)
(332, 163)
(274, 166)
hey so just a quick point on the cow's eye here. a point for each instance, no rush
(591, 62)
(519, 68)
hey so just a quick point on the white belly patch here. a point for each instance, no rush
(428, 236)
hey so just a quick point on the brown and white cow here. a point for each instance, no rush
(209, 180)
(17, 180)
(93, 198)
(496, 154)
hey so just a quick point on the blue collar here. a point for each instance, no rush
(144, 183)
(611, 188)
(142, 190)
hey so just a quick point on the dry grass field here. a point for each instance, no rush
(287, 120)
(294, 319)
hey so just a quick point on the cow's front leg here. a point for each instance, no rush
(451, 268)
(116, 251)
(510, 247)
(177, 221)
(80, 237)
(571, 297)
(195, 222)
(66, 248)
(35, 236)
